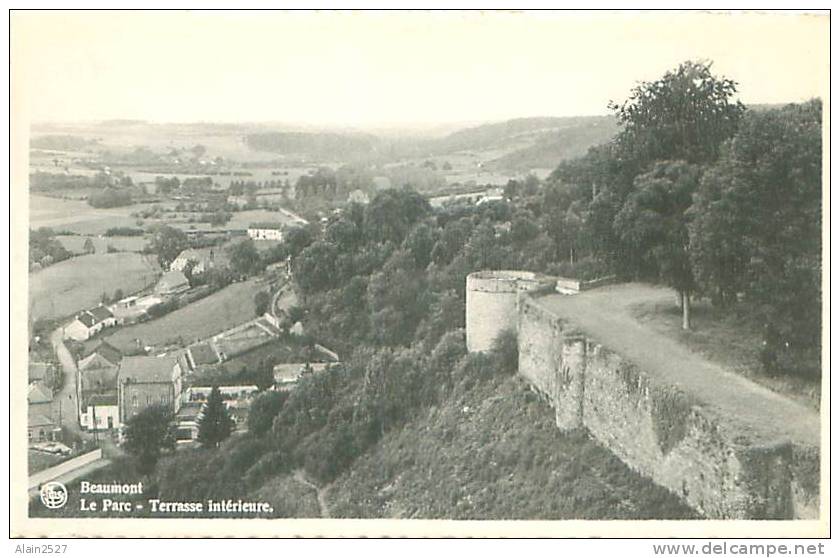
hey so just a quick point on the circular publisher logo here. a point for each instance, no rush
(53, 495)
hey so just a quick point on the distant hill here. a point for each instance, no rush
(60, 142)
(549, 148)
(518, 144)
(503, 134)
(318, 145)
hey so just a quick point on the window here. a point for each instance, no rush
(134, 402)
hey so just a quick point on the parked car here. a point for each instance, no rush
(55, 448)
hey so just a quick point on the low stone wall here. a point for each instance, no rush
(564, 284)
(63, 468)
(660, 431)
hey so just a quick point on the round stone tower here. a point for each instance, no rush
(491, 304)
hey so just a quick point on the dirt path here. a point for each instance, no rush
(604, 314)
(321, 492)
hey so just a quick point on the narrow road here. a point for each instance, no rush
(604, 315)
(321, 492)
(64, 402)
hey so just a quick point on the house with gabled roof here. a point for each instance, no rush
(89, 323)
(202, 259)
(104, 355)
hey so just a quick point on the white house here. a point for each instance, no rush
(89, 323)
(266, 231)
(100, 412)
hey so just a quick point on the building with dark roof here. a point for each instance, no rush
(104, 355)
(89, 323)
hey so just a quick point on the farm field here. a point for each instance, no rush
(77, 216)
(76, 244)
(204, 318)
(78, 283)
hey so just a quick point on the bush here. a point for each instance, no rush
(162, 308)
(505, 352)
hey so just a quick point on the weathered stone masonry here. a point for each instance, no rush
(661, 432)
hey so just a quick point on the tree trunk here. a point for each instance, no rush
(686, 310)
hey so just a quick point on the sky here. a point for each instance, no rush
(386, 68)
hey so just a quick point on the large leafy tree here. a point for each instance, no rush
(653, 224)
(167, 242)
(244, 257)
(686, 114)
(147, 434)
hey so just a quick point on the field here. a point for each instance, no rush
(78, 283)
(222, 310)
(77, 216)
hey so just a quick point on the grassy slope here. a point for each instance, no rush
(494, 452)
(78, 283)
(222, 310)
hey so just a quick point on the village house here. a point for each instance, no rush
(42, 428)
(89, 323)
(358, 196)
(202, 260)
(144, 381)
(40, 398)
(97, 388)
(104, 355)
(172, 282)
(287, 375)
(39, 371)
(266, 231)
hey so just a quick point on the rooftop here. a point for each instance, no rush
(202, 354)
(147, 369)
(106, 351)
(38, 371)
(39, 393)
(268, 225)
(102, 400)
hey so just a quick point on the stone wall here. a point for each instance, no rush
(660, 431)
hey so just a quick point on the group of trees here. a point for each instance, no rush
(711, 198)
(45, 249)
(110, 197)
